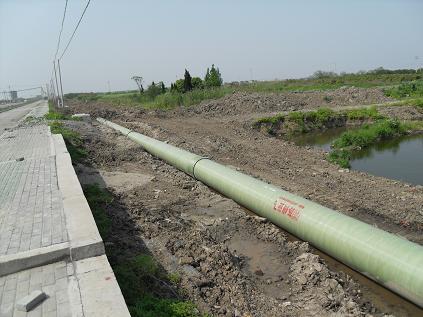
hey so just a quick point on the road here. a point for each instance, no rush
(9, 119)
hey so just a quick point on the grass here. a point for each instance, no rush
(72, 139)
(155, 307)
(363, 113)
(369, 134)
(98, 199)
(415, 102)
(53, 114)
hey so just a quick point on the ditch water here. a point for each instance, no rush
(400, 158)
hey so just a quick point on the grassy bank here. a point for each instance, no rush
(304, 121)
(148, 290)
(171, 100)
(414, 102)
(54, 114)
(369, 134)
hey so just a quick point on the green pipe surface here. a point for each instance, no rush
(388, 259)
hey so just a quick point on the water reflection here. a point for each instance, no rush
(400, 158)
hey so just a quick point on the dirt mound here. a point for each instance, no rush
(242, 102)
(402, 113)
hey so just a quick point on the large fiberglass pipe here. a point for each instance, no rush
(390, 260)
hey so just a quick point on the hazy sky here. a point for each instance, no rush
(246, 39)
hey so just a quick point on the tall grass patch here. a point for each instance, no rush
(369, 134)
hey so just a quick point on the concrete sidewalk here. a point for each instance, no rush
(48, 237)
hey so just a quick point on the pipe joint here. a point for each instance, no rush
(194, 165)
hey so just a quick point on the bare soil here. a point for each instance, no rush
(233, 263)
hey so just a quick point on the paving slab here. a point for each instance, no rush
(53, 280)
(31, 205)
(49, 241)
(26, 141)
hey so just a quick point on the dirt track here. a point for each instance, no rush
(232, 263)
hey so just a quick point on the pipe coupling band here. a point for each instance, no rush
(193, 167)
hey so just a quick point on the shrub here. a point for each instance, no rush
(197, 83)
(327, 98)
(340, 157)
(152, 91)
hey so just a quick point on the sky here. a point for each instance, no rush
(260, 40)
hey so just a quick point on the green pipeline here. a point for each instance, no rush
(388, 259)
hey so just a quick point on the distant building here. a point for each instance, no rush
(13, 95)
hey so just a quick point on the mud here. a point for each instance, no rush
(231, 262)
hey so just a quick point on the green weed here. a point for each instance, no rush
(364, 113)
(53, 114)
(150, 306)
(135, 277)
(175, 278)
(340, 157)
(72, 139)
(405, 90)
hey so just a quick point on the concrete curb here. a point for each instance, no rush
(13, 263)
(85, 240)
(93, 278)
(100, 294)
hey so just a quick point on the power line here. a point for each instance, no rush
(74, 31)
(61, 30)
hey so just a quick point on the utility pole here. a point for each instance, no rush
(47, 92)
(57, 85)
(53, 91)
(61, 87)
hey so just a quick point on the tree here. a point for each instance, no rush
(320, 74)
(162, 87)
(187, 81)
(138, 81)
(213, 77)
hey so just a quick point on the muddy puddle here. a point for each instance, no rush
(400, 159)
(263, 261)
